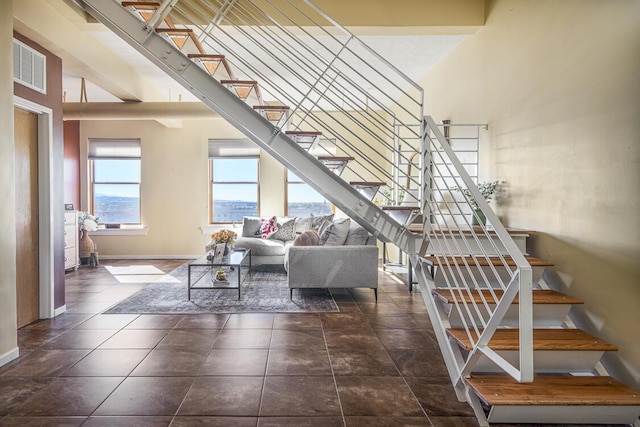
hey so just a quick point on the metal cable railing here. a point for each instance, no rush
(480, 264)
(335, 84)
(331, 80)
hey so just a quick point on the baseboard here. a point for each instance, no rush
(102, 257)
(9, 356)
(60, 310)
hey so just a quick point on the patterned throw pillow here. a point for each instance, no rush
(286, 231)
(268, 227)
(304, 224)
(316, 221)
(336, 233)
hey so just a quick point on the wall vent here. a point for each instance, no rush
(29, 67)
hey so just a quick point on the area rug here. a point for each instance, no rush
(265, 290)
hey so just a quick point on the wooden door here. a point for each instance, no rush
(27, 258)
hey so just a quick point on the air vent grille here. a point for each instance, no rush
(29, 67)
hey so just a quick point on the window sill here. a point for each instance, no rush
(124, 231)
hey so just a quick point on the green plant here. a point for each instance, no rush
(387, 194)
(487, 189)
(87, 222)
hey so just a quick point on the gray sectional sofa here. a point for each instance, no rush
(346, 258)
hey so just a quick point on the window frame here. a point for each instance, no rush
(212, 183)
(286, 192)
(92, 175)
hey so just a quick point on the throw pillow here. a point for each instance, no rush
(316, 221)
(307, 238)
(304, 224)
(251, 226)
(268, 227)
(357, 235)
(336, 233)
(286, 231)
(322, 228)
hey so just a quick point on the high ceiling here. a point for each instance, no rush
(114, 71)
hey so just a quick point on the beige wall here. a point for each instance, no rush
(8, 325)
(558, 84)
(174, 191)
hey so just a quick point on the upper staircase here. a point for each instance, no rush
(286, 82)
(296, 81)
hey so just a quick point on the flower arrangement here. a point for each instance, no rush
(224, 236)
(87, 222)
(487, 189)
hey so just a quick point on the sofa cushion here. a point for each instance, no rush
(286, 230)
(261, 247)
(268, 227)
(335, 233)
(303, 224)
(357, 235)
(251, 226)
(308, 238)
(316, 221)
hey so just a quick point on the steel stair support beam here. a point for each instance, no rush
(144, 39)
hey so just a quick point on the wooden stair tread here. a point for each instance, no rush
(399, 208)
(303, 133)
(206, 57)
(367, 183)
(543, 340)
(273, 113)
(539, 296)
(418, 228)
(335, 158)
(243, 88)
(175, 31)
(553, 390)
(239, 82)
(272, 107)
(211, 62)
(144, 5)
(484, 261)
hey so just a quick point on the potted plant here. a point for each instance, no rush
(488, 191)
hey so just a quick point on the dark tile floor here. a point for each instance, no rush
(372, 364)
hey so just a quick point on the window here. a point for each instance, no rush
(234, 188)
(302, 200)
(114, 167)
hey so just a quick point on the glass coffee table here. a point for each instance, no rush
(201, 273)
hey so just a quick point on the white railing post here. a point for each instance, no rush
(471, 274)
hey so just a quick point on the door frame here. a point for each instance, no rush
(45, 205)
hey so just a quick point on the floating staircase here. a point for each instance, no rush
(310, 90)
(568, 385)
(294, 79)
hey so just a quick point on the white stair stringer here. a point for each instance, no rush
(242, 116)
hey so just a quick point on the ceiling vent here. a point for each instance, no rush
(29, 67)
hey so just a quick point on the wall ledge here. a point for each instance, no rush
(128, 231)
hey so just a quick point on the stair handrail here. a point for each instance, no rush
(175, 62)
(458, 276)
(372, 165)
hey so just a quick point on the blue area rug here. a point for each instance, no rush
(265, 290)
